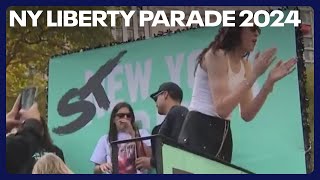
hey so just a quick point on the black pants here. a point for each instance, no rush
(207, 134)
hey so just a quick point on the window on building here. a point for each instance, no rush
(130, 34)
(308, 42)
(141, 32)
(117, 34)
(308, 55)
(306, 16)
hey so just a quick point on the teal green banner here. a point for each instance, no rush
(271, 143)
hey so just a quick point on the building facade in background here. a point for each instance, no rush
(134, 32)
(307, 18)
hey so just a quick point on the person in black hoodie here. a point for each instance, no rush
(22, 145)
(32, 138)
(46, 146)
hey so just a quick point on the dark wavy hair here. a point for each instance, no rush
(228, 38)
(113, 132)
(47, 142)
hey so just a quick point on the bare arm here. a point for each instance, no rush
(102, 168)
(250, 106)
(148, 150)
(224, 99)
(144, 148)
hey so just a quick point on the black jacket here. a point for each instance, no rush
(170, 127)
(25, 148)
(172, 124)
(21, 146)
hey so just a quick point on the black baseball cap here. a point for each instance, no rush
(173, 89)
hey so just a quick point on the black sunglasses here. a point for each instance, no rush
(161, 92)
(122, 115)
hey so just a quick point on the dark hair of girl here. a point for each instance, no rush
(113, 132)
(47, 142)
(228, 38)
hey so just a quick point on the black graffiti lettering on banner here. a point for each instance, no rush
(86, 108)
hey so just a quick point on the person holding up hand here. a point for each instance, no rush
(223, 80)
(21, 146)
(121, 127)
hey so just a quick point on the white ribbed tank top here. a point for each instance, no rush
(201, 100)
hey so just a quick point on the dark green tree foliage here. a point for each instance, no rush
(28, 49)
